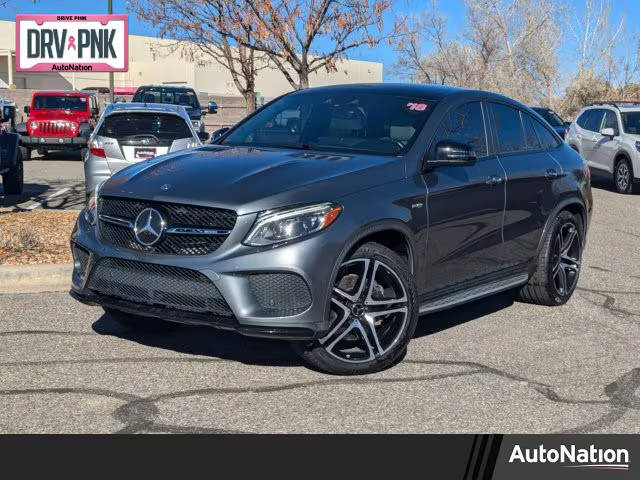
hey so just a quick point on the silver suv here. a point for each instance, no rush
(607, 135)
(128, 133)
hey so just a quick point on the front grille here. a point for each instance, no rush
(280, 294)
(176, 215)
(159, 285)
(53, 128)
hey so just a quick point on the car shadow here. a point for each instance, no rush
(210, 342)
(46, 196)
(602, 182)
(443, 320)
(207, 341)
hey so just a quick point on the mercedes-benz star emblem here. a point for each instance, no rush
(149, 226)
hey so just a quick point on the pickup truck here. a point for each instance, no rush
(10, 152)
(59, 120)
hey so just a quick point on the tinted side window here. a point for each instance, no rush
(546, 138)
(529, 132)
(508, 128)
(610, 120)
(593, 121)
(582, 119)
(464, 124)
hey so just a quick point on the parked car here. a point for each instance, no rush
(607, 135)
(59, 120)
(335, 216)
(128, 133)
(11, 167)
(552, 118)
(176, 95)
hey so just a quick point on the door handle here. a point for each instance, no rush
(493, 180)
(551, 173)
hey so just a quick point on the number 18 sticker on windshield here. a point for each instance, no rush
(416, 107)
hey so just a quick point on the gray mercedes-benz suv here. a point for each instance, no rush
(335, 216)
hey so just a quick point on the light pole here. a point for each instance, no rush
(110, 3)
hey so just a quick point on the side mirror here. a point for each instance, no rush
(203, 136)
(609, 132)
(448, 152)
(27, 109)
(213, 107)
(218, 133)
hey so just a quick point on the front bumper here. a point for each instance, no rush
(229, 269)
(54, 142)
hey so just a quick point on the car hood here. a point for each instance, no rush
(57, 115)
(249, 179)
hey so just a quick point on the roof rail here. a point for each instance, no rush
(615, 103)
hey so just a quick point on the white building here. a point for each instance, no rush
(151, 63)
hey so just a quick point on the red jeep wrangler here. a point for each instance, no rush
(59, 121)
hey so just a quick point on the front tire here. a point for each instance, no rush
(623, 176)
(373, 314)
(558, 267)
(13, 180)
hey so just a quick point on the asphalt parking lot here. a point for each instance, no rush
(54, 181)
(492, 366)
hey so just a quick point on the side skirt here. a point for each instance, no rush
(473, 293)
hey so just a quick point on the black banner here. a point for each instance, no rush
(466, 457)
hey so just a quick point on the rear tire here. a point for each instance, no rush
(138, 323)
(374, 312)
(558, 267)
(13, 180)
(623, 176)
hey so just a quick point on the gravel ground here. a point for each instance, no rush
(492, 366)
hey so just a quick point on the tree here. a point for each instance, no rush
(509, 46)
(301, 37)
(199, 30)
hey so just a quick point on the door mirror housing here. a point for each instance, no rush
(27, 109)
(609, 132)
(212, 107)
(203, 136)
(218, 133)
(448, 152)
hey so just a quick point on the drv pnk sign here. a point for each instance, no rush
(72, 43)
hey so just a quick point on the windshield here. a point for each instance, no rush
(60, 102)
(631, 122)
(174, 96)
(550, 116)
(337, 121)
(157, 129)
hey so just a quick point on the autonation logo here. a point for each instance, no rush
(573, 457)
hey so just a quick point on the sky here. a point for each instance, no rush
(453, 10)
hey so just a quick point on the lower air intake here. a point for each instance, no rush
(158, 285)
(280, 294)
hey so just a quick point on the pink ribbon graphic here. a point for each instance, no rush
(72, 43)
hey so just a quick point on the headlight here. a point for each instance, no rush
(283, 225)
(90, 210)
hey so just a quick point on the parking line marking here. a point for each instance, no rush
(53, 195)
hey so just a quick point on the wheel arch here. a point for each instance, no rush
(389, 230)
(573, 205)
(622, 154)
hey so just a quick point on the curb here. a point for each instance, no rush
(35, 278)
